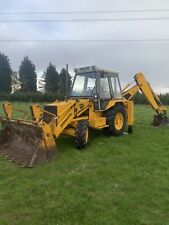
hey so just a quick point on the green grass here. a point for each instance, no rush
(115, 181)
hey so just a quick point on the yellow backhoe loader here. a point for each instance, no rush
(96, 100)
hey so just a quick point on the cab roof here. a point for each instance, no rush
(88, 69)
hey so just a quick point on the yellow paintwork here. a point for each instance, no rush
(113, 102)
(132, 91)
(87, 134)
(69, 131)
(36, 112)
(48, 137)
(92, 113)
(98, 123)
(8, 109)
(80, 118)
(130, 113)
(119, 121)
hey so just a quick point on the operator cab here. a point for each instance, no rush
(96, 83)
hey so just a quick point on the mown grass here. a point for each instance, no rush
(115, 181)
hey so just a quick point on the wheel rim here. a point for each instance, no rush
(87, 134)
(119, 121)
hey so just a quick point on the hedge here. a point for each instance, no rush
(30, 97)
(50, 97)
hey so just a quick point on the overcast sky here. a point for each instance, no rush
(126, 57)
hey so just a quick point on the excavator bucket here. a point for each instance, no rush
(26, 143)
(160, 120)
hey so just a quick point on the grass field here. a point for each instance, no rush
(115, 181)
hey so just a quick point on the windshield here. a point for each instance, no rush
(84, 85)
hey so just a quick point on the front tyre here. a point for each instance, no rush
(81, 135)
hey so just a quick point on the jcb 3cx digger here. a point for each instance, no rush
(96, 101)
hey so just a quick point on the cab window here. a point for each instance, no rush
(84, 85)
(116, 87)
(104, 89)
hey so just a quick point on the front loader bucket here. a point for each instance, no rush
(160, 120)
(24, 142)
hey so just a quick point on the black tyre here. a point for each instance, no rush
(81, 135)
(116, 119)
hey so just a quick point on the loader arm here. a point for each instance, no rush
(143, 86)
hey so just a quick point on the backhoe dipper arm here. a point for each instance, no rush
(143, 86)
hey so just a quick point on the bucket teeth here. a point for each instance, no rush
(160, 120)
(24, 143)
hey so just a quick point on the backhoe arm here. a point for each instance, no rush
(143, 86)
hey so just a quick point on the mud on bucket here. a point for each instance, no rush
(25, 143)
(160, 120)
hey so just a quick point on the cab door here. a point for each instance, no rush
(115, 87)
(104, 91)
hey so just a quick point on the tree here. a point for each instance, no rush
(65, 82)
(16, 85)
(27, 76)
(51, 79)
(5, 74)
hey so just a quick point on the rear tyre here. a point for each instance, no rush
(81, 135)
(116, 119)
